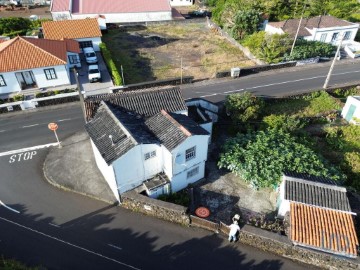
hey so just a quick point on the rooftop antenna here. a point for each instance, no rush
(111, 138)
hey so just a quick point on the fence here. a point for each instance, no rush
(203, 223)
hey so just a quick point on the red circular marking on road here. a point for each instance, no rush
(53, 126)
(202, 212)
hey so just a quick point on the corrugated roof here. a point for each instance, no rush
(26, 53)
(123, 6)
(323, 229)
(71, 29)
(60, 5)
(325, 21)
(143, 102)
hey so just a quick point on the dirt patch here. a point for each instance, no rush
(159, 51)
(43, 12)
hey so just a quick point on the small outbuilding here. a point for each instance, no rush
(351, 110)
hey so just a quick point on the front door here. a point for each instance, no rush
(26, 79)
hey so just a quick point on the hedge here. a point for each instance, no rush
(111, 65)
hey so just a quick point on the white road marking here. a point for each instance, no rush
(62, 120)
(11, 209)
(34, 125)
(69, 244)
(2, 130)
(27, 149)
(115, 246)
(54, 225)
(210, 95)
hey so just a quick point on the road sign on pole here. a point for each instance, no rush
(54, 127)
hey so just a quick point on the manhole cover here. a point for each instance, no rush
(202, 212)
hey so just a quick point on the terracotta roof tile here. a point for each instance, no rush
(71, 29)
(117, 6)
(26, 53)
(72, 46)
(323, 229)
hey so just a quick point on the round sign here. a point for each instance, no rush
(202, 212)
(53, 126)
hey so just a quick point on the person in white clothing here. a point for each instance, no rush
(234, 229)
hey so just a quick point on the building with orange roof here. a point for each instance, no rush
(86, 31)
(36, 63)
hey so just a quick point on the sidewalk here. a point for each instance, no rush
(73, 168)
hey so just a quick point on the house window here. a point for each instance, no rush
(190, 153)
(50, 74)
(84, 44)
(347, 35)
(73, 59)
(334, 37)
(150, 155)
(323, 37)
(192, 172)
(2, 81)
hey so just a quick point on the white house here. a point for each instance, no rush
(181, 3)
(351, 110)
(135, 147)
(319, 214)
(124, 11)
(36, 63)
(86, 32)
(326, 29)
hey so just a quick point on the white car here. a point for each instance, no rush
(94, 73)
(90, 55)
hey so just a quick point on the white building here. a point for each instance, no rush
(351, 110)
(181, 3)
(326, 29)
(124, 11)
(145, 140)
(36, 63)
(86, 32)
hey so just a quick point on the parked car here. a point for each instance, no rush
(200, 13)
(90, 55)
(94, 74)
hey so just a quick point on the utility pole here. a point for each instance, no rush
(181, 71)
(298, 29)
(122, 75)
(333, 63)
(79, 87)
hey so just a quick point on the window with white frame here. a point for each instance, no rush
(50, 74)
(323, 37)
(150, 155)
(347, 35)
(2, 81)
(192, 172)
(190, 153)
(73, 59)
(334, 37)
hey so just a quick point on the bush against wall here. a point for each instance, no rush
(111, 65)
(308, 49)
(261, 157)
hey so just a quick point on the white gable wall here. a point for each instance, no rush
(12, 85)
(181, 180)
(168, 161)
(129, 17)
(106, 170)
(350, 102)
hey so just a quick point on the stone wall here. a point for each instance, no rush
(160, 209)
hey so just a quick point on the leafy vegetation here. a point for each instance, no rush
(246, 22)
(14, 26)
(180, 198)
(261, 157)
(7, 264)
(308, 49)
(283, 122)
(110, 64)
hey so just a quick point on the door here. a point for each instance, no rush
(350, 113)
(29, 80)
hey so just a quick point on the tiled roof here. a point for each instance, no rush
(158, 180)
(172, 129)
(290, 26)
(26, 53)
(309, 177)
(71, 29)
(117, 6)
(318, 194)
(142, 102)
(60, 5)
(126, 131)
(72, 46)
(323, 229)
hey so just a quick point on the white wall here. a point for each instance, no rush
(180, 181)
(208, 127)
(61, 74)
(201, 143)
(12, 84)
(317, 32)
(129, 17)
(168, 161)
(106, 170)
(352, 101)
(95, 41)
(179, 3)
(131, 170)
(60, 16)
(284, 205)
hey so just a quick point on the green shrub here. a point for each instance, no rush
(180, 198)
(351, 166)
(307, 49)
(56, 92)
(284, 122)
(343, 93)
(110, 64)
(18, 97)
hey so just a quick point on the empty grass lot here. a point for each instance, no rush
(156, 52)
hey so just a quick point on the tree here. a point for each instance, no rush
(246, 23)
(243, 106)
(14, 26)
(261, 158)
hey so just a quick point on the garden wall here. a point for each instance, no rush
(160, 209)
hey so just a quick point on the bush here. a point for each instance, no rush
(343, 93)
(308, 49)
(110, 64)
(180, 198)
(284, 122)
(18, 97)
(14, 26)
(351, 166)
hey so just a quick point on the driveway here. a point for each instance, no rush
(97, 87)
